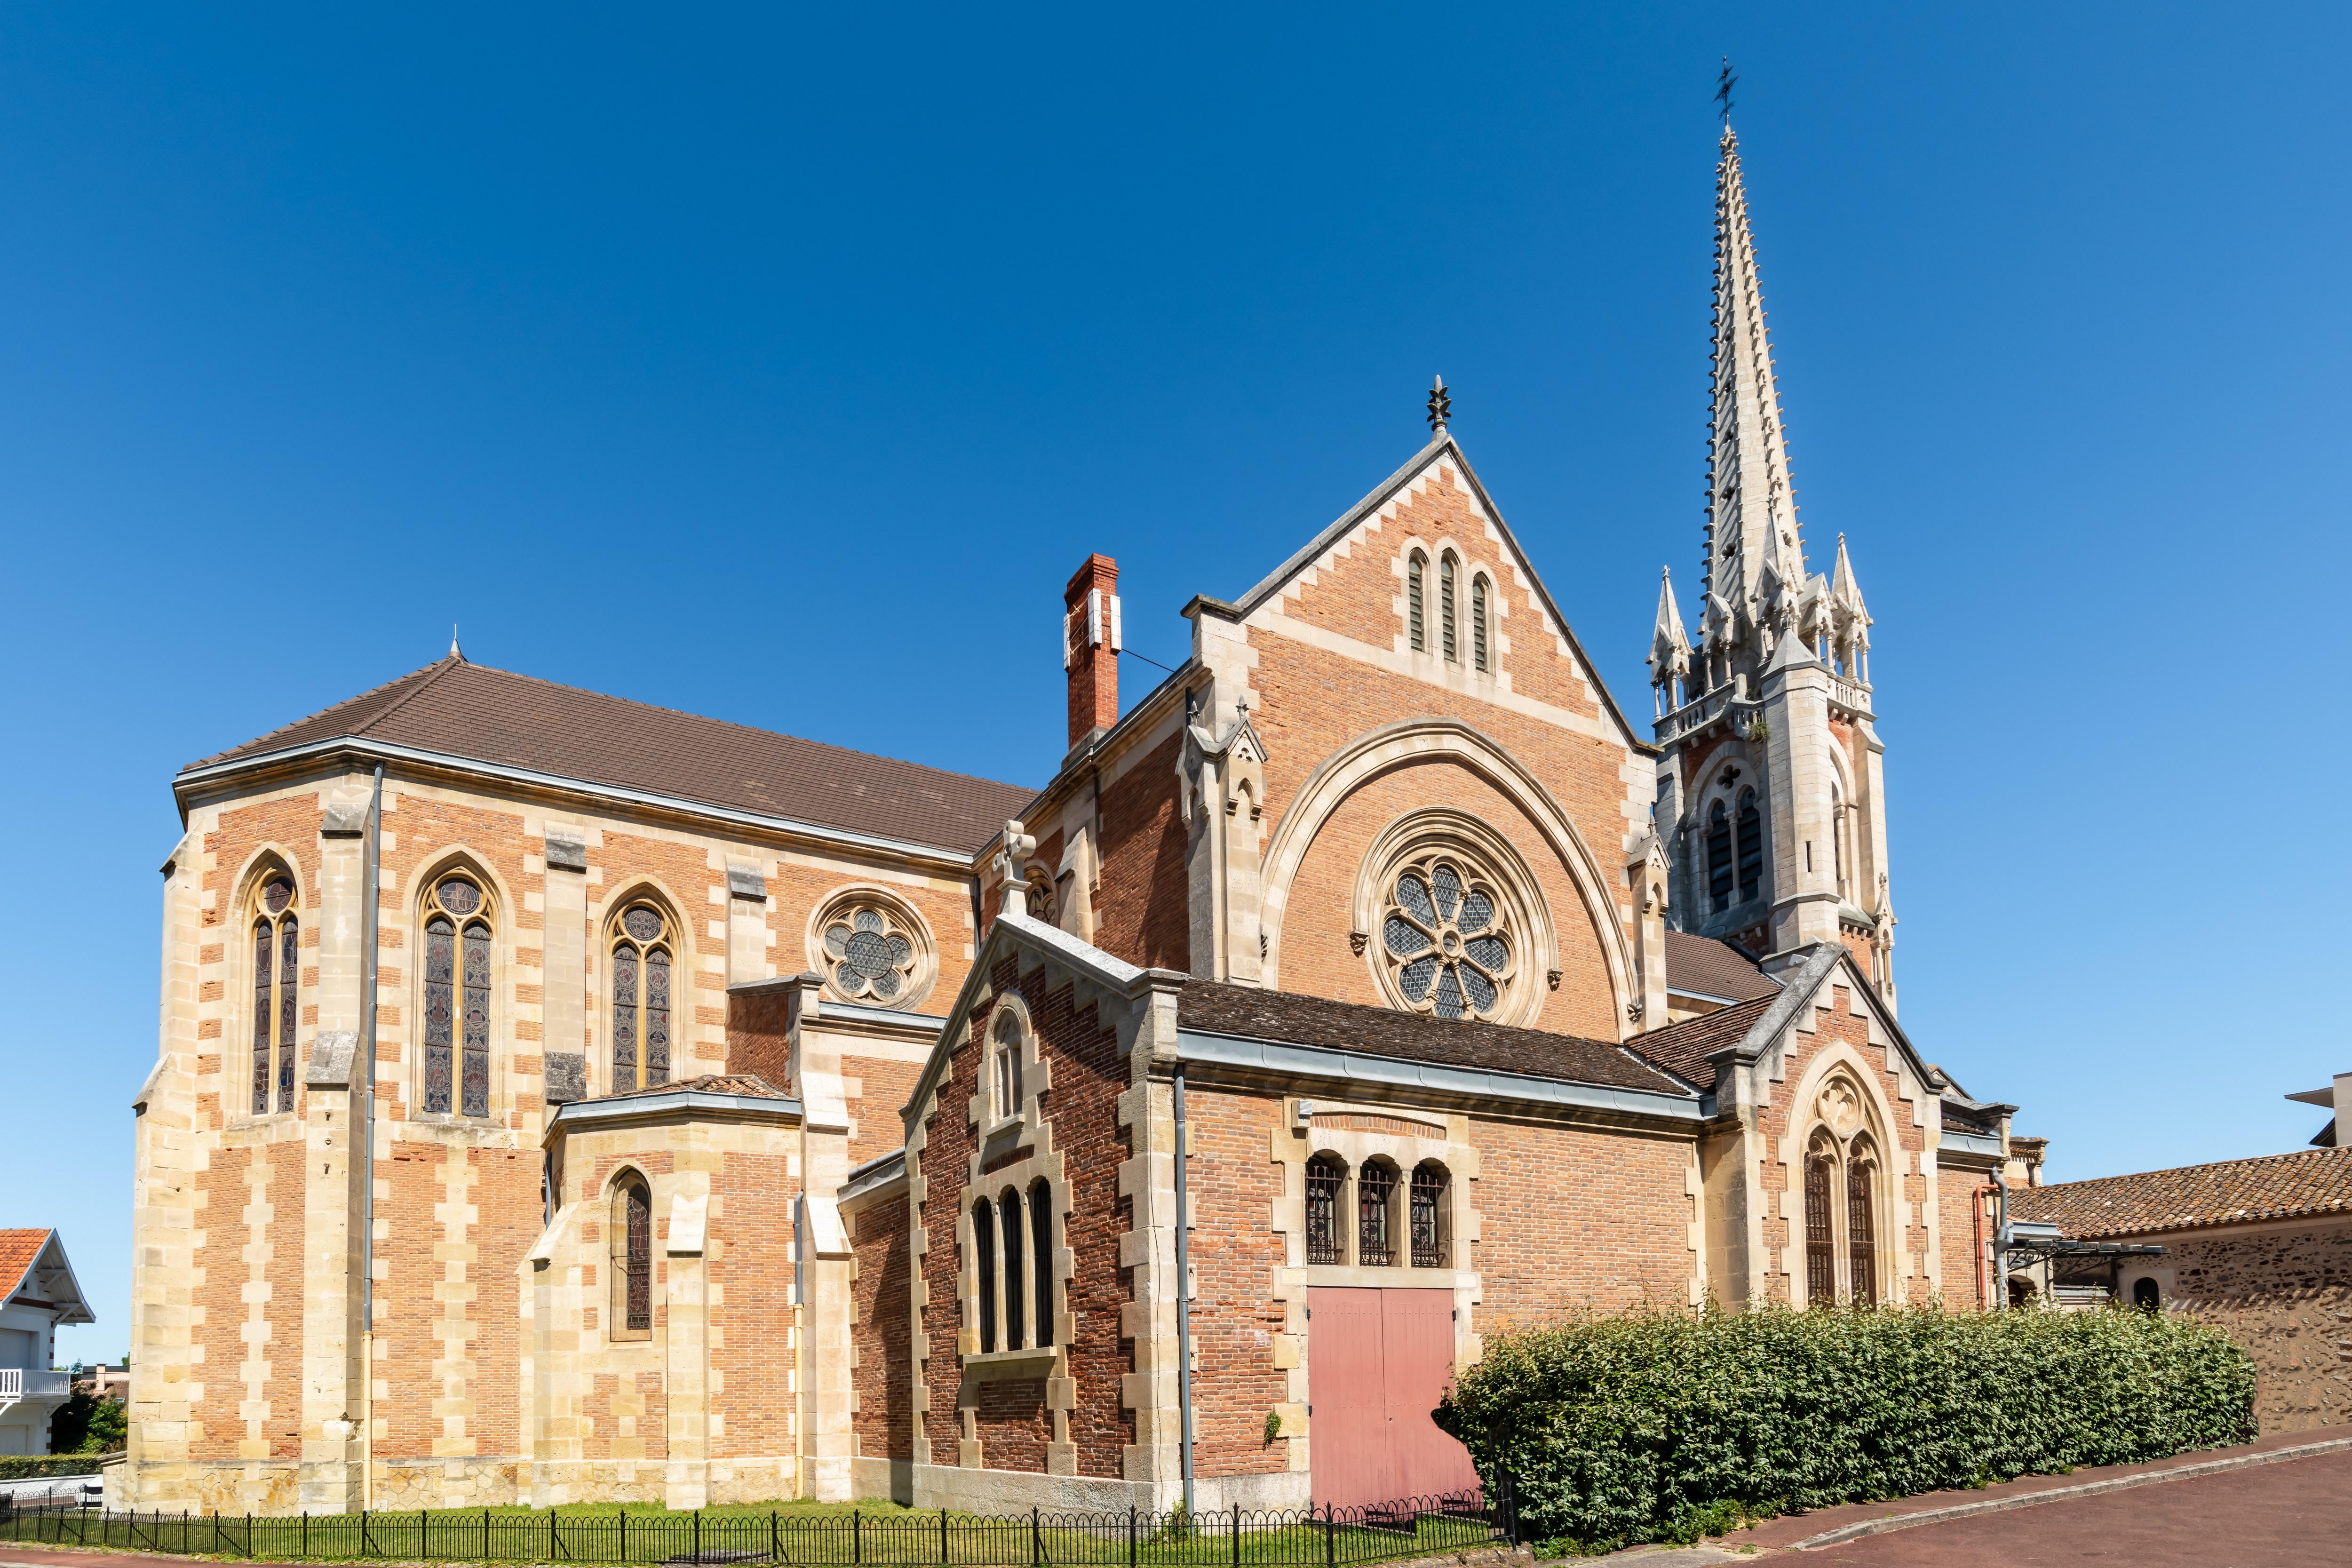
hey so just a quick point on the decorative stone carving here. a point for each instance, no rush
(1840, 1107)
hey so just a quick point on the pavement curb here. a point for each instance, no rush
(1846, 1533)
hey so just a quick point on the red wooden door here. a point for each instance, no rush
(1376, 1361)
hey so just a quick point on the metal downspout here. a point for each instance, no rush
(2001, 1240)
(364, 1150)
(1184, 1296)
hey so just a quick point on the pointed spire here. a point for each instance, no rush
(1669, 647)
(1670, 617)
(455, 651)
(1843, 589)
(1751, 502)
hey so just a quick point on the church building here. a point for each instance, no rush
(560, 1098)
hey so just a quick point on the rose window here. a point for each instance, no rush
(1449, 949)
(870, 957)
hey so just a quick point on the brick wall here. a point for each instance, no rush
(1232, 1182)
(884, 1379)
(1576, 1218)
(1956, 1208)
(1143, 915)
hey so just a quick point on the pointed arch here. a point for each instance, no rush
(460, 927)
(629, 1231)
(647, 949)
(1838, 1114)
(268, 926)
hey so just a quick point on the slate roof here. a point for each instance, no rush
(18, 1250)
(495, 716)
(1288, 1018)
(2234, 1192)
(1704, 966)
(1682, 1048)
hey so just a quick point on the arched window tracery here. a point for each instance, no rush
(277, 936)
(457, 962)
(643, 957)
(1842, 1201)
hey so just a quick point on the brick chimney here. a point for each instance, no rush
(1090, 646)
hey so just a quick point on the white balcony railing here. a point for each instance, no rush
(18, 1384)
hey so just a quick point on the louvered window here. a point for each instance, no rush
(1446, 606)
(1751, 846)
(1861, 1236)
(1428, 1198)
(1821, 1245)
(1415, 590)
(1375, 1194)
(1325, 1177)
(984, 1247)
(277, 993)
(1479, 623)
(1719, 857)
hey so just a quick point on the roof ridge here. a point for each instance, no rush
(2345, 1150)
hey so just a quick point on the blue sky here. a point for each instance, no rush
(781, 366)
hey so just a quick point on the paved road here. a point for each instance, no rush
(2288, 1515)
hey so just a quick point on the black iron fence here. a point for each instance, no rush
(1233, 1538)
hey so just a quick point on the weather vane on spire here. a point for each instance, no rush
(1440, 406)
(1723, 83)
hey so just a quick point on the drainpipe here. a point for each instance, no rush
(1184, 1296)
(1984, 1262)
(365, 1152)
(2000, 1240)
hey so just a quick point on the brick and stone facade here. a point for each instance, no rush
(870, 1077)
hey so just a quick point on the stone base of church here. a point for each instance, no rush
(978, 1491)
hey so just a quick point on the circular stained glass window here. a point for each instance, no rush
(458, 896)
(275, 894)
(871, 958)
(642, 923)
(1445, 940)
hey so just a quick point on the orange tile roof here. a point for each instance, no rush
(2233, 1192)
(19, 1248)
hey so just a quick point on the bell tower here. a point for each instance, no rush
(1771, 788)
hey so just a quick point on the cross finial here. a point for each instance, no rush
(1440, 406)
(1723, 83)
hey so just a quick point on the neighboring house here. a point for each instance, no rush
(2260, 1246)
(39, 1295)
(754, 1118)
(100, 1381)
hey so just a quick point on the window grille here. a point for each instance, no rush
(1008, 1214)
(1375, 1186)
(277, 993)
(1446, 606)
(1325, 1176)
(641, 999)
(1041, 1255)
(1820, 1249)
(1861, 1236)
(1413, 601)
(1479, 623)
(637, 1201)
(984, 1247)
(1751, 846)
(1719, 857)
(1428, 1192)
(457, 1000)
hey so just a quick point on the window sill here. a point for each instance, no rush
(995, 1366)
(631, 1336)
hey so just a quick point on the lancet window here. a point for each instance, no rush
(1004, 1067)
(1041, 1255)
(1012, 1233)
(1416, 568)
(1012, 1242)
(457, 1062)
(1751, 846)
(984, 1242)
(1478, 623)
(276, 939)
(1445, 606)
(631, 1256)
(1841, 1180)
(644, 961)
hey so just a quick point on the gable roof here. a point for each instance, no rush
(1444, 447)
(1287, 1018)
(471, 712)
(26, 1254)
(1706, 966)
(19, 1248)
(2310, 1181)
(1682, 1048)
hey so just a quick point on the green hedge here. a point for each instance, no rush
(33, 1467)
(1657, 1426)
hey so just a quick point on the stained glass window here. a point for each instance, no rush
(872, 959)
(642, 966)
(638, 1315)
(277, 994)
(457, 1043)
(1445, 941)
(1325, 1176)
(1862, 1234)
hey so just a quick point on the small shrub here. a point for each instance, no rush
(1665, 1425)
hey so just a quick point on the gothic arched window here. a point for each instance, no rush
(1004, 1067)
(1041, 1255)
(1862, 1230)
(1446, 606)
(1416, 568)
(1376, 1183)
(1718, 858)
(1479, 623)
(457, 998)
(984, 1247)
(644, 961)
(1325, 1176)
(277, 992)
(1428, 1206)
(1751, 846)
(631, 1255)
(1008, 1217)
(1820, 1236)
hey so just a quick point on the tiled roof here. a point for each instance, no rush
(1704, 966)
(18, 1250)
(2234, 1192)
(494, 716)
(1682, 1048)
(742, 1083)
(1288, 1018)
